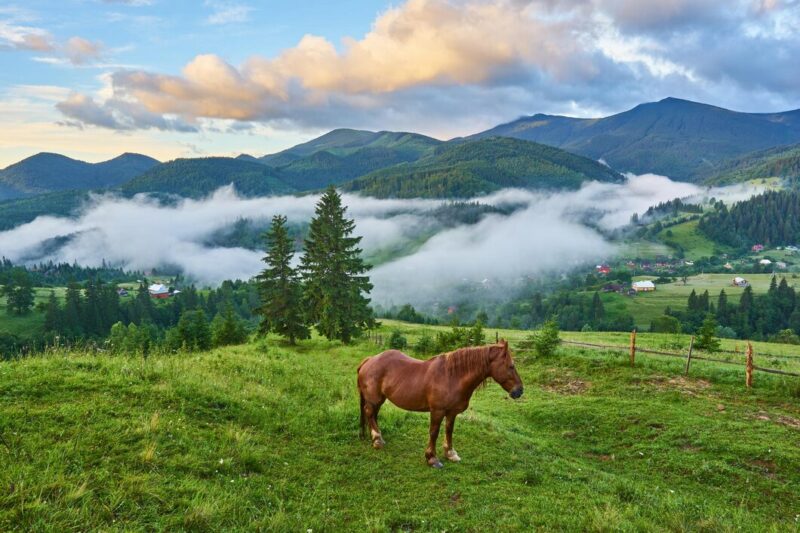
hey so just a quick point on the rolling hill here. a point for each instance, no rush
(48, 172)
(195, 178)
(464, 169)
(781, 162)
(678, 138)
(341, 142)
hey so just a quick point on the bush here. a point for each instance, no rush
(706, 336)
(545, 341)
(786, 336)
(726, 332)
(665, 324)
(459, 337)
(397, 341)
(425, 345)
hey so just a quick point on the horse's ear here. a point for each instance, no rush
(504, 343)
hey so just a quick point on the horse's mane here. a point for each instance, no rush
(466, 360)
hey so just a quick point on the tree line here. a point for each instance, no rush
(771, 219)
(774, 316)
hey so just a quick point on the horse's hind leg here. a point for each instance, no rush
(371, 410)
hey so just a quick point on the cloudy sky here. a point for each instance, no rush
(171, 78)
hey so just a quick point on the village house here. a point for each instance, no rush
(740, 282)
(765, 262)
(157, 290)
(757, 248)
(643, 286)
(603, 269)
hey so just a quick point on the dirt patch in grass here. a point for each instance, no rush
(766, 467)
(567, 386)
(779, 419)
(690, 386)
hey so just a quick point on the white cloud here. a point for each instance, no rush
(227, 12)
(546, 234)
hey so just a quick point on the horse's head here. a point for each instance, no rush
(502, 370)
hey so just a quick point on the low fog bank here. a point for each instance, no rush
(544, 233)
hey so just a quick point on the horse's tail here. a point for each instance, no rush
(363, 431)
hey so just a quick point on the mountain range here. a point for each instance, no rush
(678, 138)
(46, 172)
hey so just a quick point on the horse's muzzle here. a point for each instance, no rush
(516, 393)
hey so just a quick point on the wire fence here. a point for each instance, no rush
(689, 356)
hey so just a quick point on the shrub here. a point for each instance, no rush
(397, 341)
(785, 336)
(425, 345)
(726, 332)
(545, 341)
(665, 324)
(706, 336)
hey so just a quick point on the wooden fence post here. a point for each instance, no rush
(689, 357)
(496, 337)
(633, 346)
(748, 369)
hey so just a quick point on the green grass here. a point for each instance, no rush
(265, 438)
(692, 241)
(646, 306)
(30, 323)
(645, 250)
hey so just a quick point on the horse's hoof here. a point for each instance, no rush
(435, 463)
(452, 456)
(378, 444)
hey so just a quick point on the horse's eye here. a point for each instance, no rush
(511, 367)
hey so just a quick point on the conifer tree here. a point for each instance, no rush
(334, 273)
(279, 286)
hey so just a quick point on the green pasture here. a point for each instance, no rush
(265, 437)
(692, 241)
(646, 306)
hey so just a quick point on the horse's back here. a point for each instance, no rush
(390, 359)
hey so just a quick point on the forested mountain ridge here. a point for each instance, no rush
(48, 172)
(771, 219)
(677, 138)
(470, 168)
(195, 178)
(781, 162)
(344, 141)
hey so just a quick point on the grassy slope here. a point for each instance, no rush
(247, 438)
(687, 237)
(646, 306)
(25, 324)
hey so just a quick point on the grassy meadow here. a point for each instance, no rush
(646, 306)
(691, 240)
(32, 322)
(264, 436)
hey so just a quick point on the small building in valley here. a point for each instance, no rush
(643, 286)
(157, 290)
(740, 282)
(757, 248)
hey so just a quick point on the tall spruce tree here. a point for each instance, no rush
(279, 286)
(334, 273)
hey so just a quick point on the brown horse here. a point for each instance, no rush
(442, 386)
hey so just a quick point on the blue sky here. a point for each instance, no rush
(94, 78)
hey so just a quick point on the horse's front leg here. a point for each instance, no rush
(430, 451)
(449, 451)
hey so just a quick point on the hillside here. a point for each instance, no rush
(195, 178)
(465, 169)
(782, 162)
(265, 438)
(47, 172)
(677, 138)
(346, 141)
